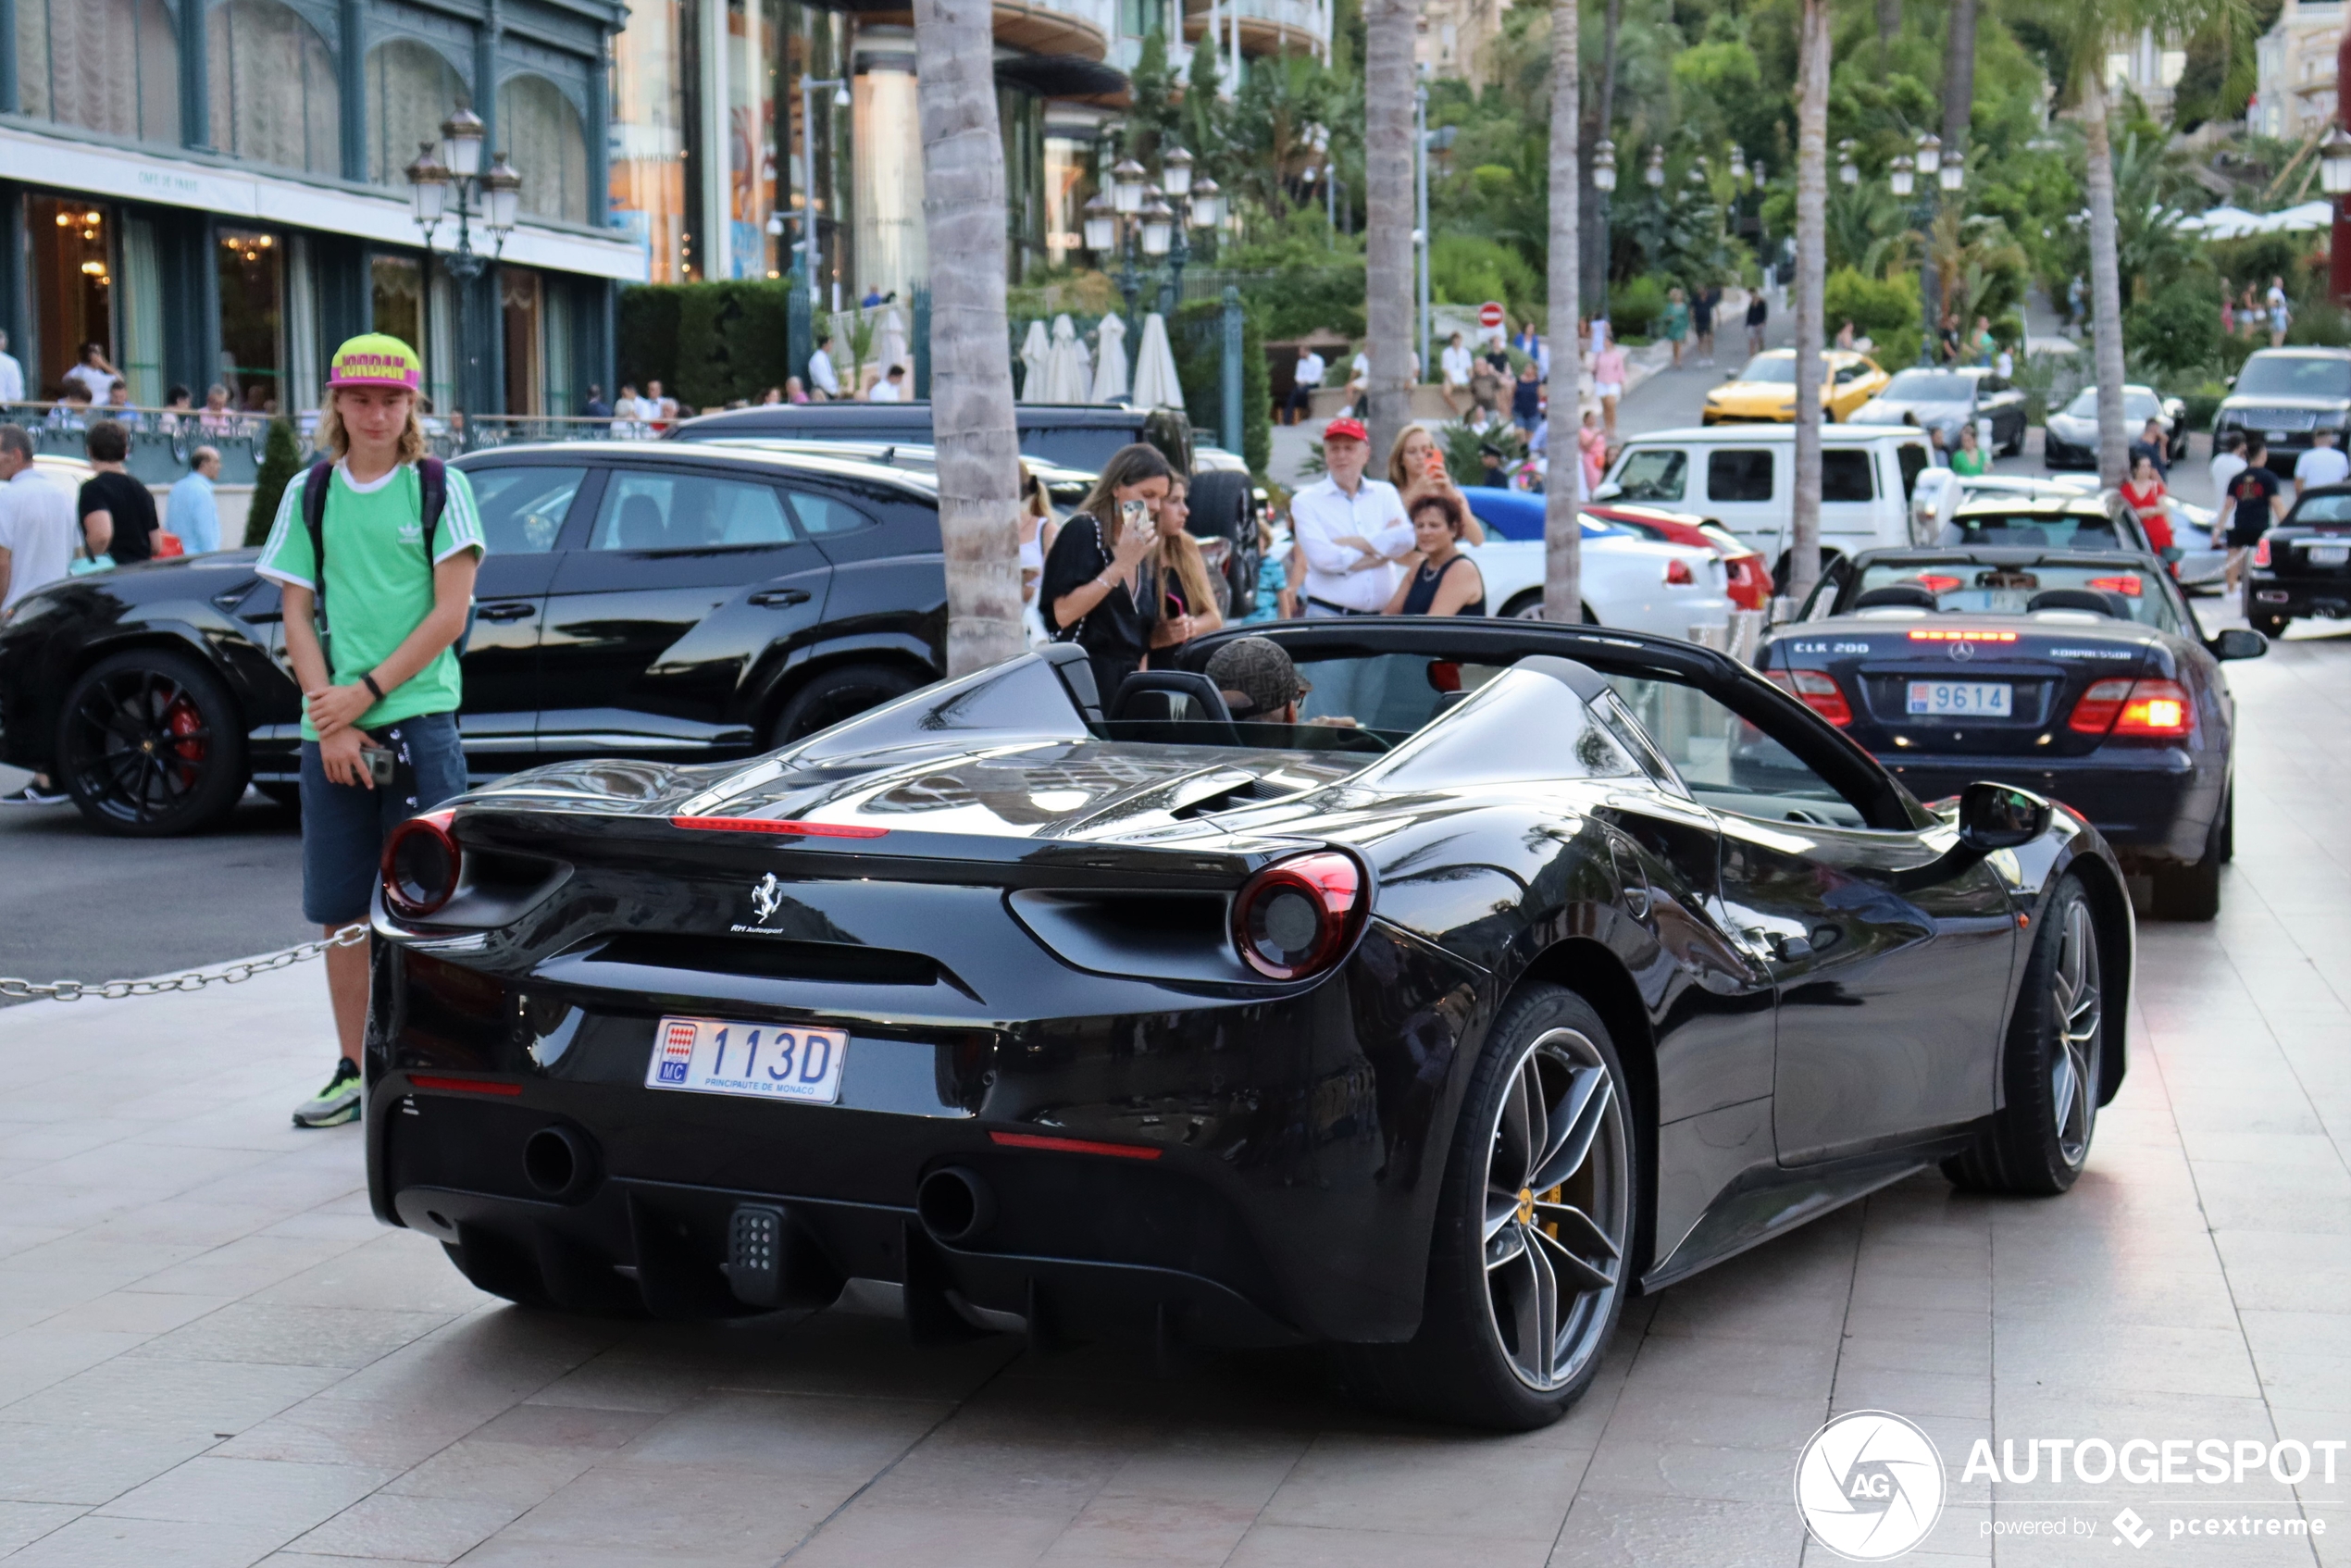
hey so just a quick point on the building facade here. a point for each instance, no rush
(2295, 81)
(1453, 38)
(738, 122)
(212, 192)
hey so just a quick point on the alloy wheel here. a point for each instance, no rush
(137, 744)
(1558, 1186)
(2077, 1013)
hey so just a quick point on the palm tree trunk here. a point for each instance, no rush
(1811, 247)
(978, 443)
(1959, 76)
(1388, 215)
(1595, 238)
(2105, 283)
(1562, 525)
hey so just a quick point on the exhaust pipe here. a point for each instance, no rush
(558, 1163)
(955, 1205)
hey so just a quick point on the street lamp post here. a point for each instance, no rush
(1928, 163)
(805, 256)
(1604, 181)
(1134, 221)
(493, 195)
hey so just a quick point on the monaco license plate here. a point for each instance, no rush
(2328, 554)
(764, 1060)
(1961, 699)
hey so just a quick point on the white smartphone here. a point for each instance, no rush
(1132, 514)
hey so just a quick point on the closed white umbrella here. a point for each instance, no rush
(890, 347)
(1034, 351)
(1064, 372)
(1155, 382)
(1109, 367)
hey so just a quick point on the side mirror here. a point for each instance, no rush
(2001, 817)
(1607, 492)
(2239, 642)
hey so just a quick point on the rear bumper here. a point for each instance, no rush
(2301, 598)
(2156, 805)
(1282, 1153)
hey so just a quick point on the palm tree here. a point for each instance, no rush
(1562, 525)
(1811, 246)
(978, 443)
(1387, 213)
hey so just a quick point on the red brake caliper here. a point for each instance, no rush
(184, 721)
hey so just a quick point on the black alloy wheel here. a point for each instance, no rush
(1534, 1252)
(150, 745)
(2052, 1080)
(831, 695)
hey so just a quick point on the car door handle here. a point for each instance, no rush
(511, 610)
(1791, 950)
(780, 596)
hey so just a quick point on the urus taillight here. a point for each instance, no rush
(2262, 552)
(1299, 917)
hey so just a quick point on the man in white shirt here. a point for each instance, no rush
(2322, 465)
(1456, 362)
(1303, 380)
(822, 377)
(94, 373)
(891, 388)
(11, 374)
(2228, 462)
(37, 533)
(1351, 530)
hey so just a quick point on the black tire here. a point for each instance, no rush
(150, 745)
(1493, 1250)
(2229, 826)
(2191, 889)
(2054, 1046)
(831, 695)
(1528, 606)
(1223, 506)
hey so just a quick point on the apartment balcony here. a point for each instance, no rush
(1268, 26)
(1076, 30)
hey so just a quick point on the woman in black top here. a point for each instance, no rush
(1090, 592)
(1439, 580)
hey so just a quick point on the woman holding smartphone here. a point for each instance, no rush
(1416, 468)
(1176, 582)
(1093, 594)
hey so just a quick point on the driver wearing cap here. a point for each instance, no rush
(1353, 530)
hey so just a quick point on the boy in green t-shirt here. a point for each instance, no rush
(383, 677)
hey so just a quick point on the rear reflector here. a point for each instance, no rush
(1073, 1145)
(765, 824)
(463, 1086)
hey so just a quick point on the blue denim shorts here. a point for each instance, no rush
(344, 825)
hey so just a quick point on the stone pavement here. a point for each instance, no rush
(211, 1354)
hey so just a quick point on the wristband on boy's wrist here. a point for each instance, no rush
(368, 680)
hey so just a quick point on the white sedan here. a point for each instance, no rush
(1676, 589)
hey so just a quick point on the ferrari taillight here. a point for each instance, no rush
(2141, 708)
(1297, 918)
(1817, 690)
(421, 865)
(2262, 552)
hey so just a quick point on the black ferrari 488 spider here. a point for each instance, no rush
(1531, 967)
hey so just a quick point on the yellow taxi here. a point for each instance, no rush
(1765, 392)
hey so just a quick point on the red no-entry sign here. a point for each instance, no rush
(1489, 315)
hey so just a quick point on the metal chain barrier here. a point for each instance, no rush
(195, 979)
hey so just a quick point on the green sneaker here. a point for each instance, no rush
(336, 1103)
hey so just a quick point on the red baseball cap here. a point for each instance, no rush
(1346, 430)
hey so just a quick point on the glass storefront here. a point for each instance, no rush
(755, 35)
(72, 244)
(252, 318)
(1068, 186)
(649, 134)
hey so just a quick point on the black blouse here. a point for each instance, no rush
(1115, 632)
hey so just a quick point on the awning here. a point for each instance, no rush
(1062, 76)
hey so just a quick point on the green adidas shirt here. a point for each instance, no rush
(379, 583)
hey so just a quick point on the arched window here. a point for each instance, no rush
(541, 134)
(410, 90)
(274, 98)
(107, 65)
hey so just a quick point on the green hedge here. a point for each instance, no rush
(707, 344)
(280, 461)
